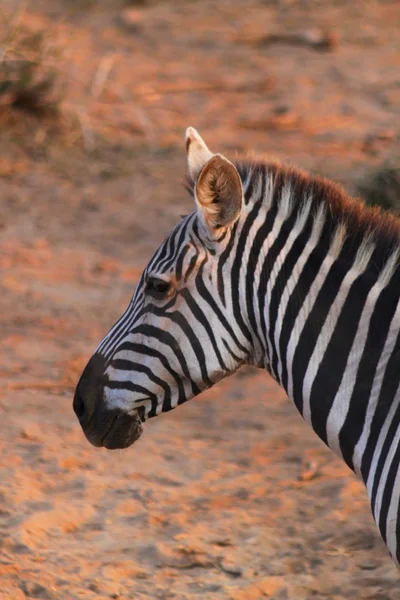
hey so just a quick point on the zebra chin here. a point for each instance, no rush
(114, 429)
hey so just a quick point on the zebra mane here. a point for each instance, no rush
(363, 231)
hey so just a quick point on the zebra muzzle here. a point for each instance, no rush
(113, 429)
(103, 426)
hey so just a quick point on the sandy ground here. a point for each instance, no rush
(231, 496)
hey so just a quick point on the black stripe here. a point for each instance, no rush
(248, 195)
(235, 271)
(257, 172)
(381, 318)
(387, 394)
(398, 534)
(170, 244)
(179, 319)
(124, 318)
(234, 356)
(333, 364)
(296, 301)
(388, 491)
(266, 270)
(180, 233)
(205, 294)
(164, 337)
(122, 364)
(192, 262)
(286, 271)
(221, 262)
(161, 255)
(222, 236)
(180, 261)
(133, 387)
(124, 331)
(199, 239)
(311, 330)
(253, 256)
(383, 455)
(147, 351)
(201, 317)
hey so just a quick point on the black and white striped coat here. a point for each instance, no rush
(276, 269)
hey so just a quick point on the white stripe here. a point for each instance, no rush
(280, 259)
(381, 440)
(385, 472)
(341, 404)
(291, 284)
(305, 310)
(391, 520)
(376, 389)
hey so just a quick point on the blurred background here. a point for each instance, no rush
(231, 496)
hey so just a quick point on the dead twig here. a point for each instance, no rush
(206, 86)
(102, 74)
(317, 39)
(38, 385)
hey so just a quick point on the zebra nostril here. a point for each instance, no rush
(78, 405)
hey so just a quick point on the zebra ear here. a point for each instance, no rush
(219, 193)
(197, 153)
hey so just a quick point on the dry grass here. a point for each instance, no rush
(33, 90)
(382, 188)
(79, 5)
(30, 79)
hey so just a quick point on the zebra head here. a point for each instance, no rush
(178, 335)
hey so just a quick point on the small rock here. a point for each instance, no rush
(281, 109)
(35, 590)
(223, 542)
(324, 40)
(230, 568)
(31, 432)
(368, 566)
(309, 472)
(131, 19)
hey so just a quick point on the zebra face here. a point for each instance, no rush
(177, 337)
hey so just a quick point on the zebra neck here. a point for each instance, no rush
(332, 338)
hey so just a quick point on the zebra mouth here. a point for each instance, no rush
(124, 431)
(114, 429)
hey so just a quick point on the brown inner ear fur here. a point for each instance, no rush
(219, 192)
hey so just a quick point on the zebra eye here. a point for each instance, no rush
(158, 288)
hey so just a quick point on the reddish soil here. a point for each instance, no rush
(231, 496)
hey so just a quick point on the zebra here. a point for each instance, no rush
(281, 270)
